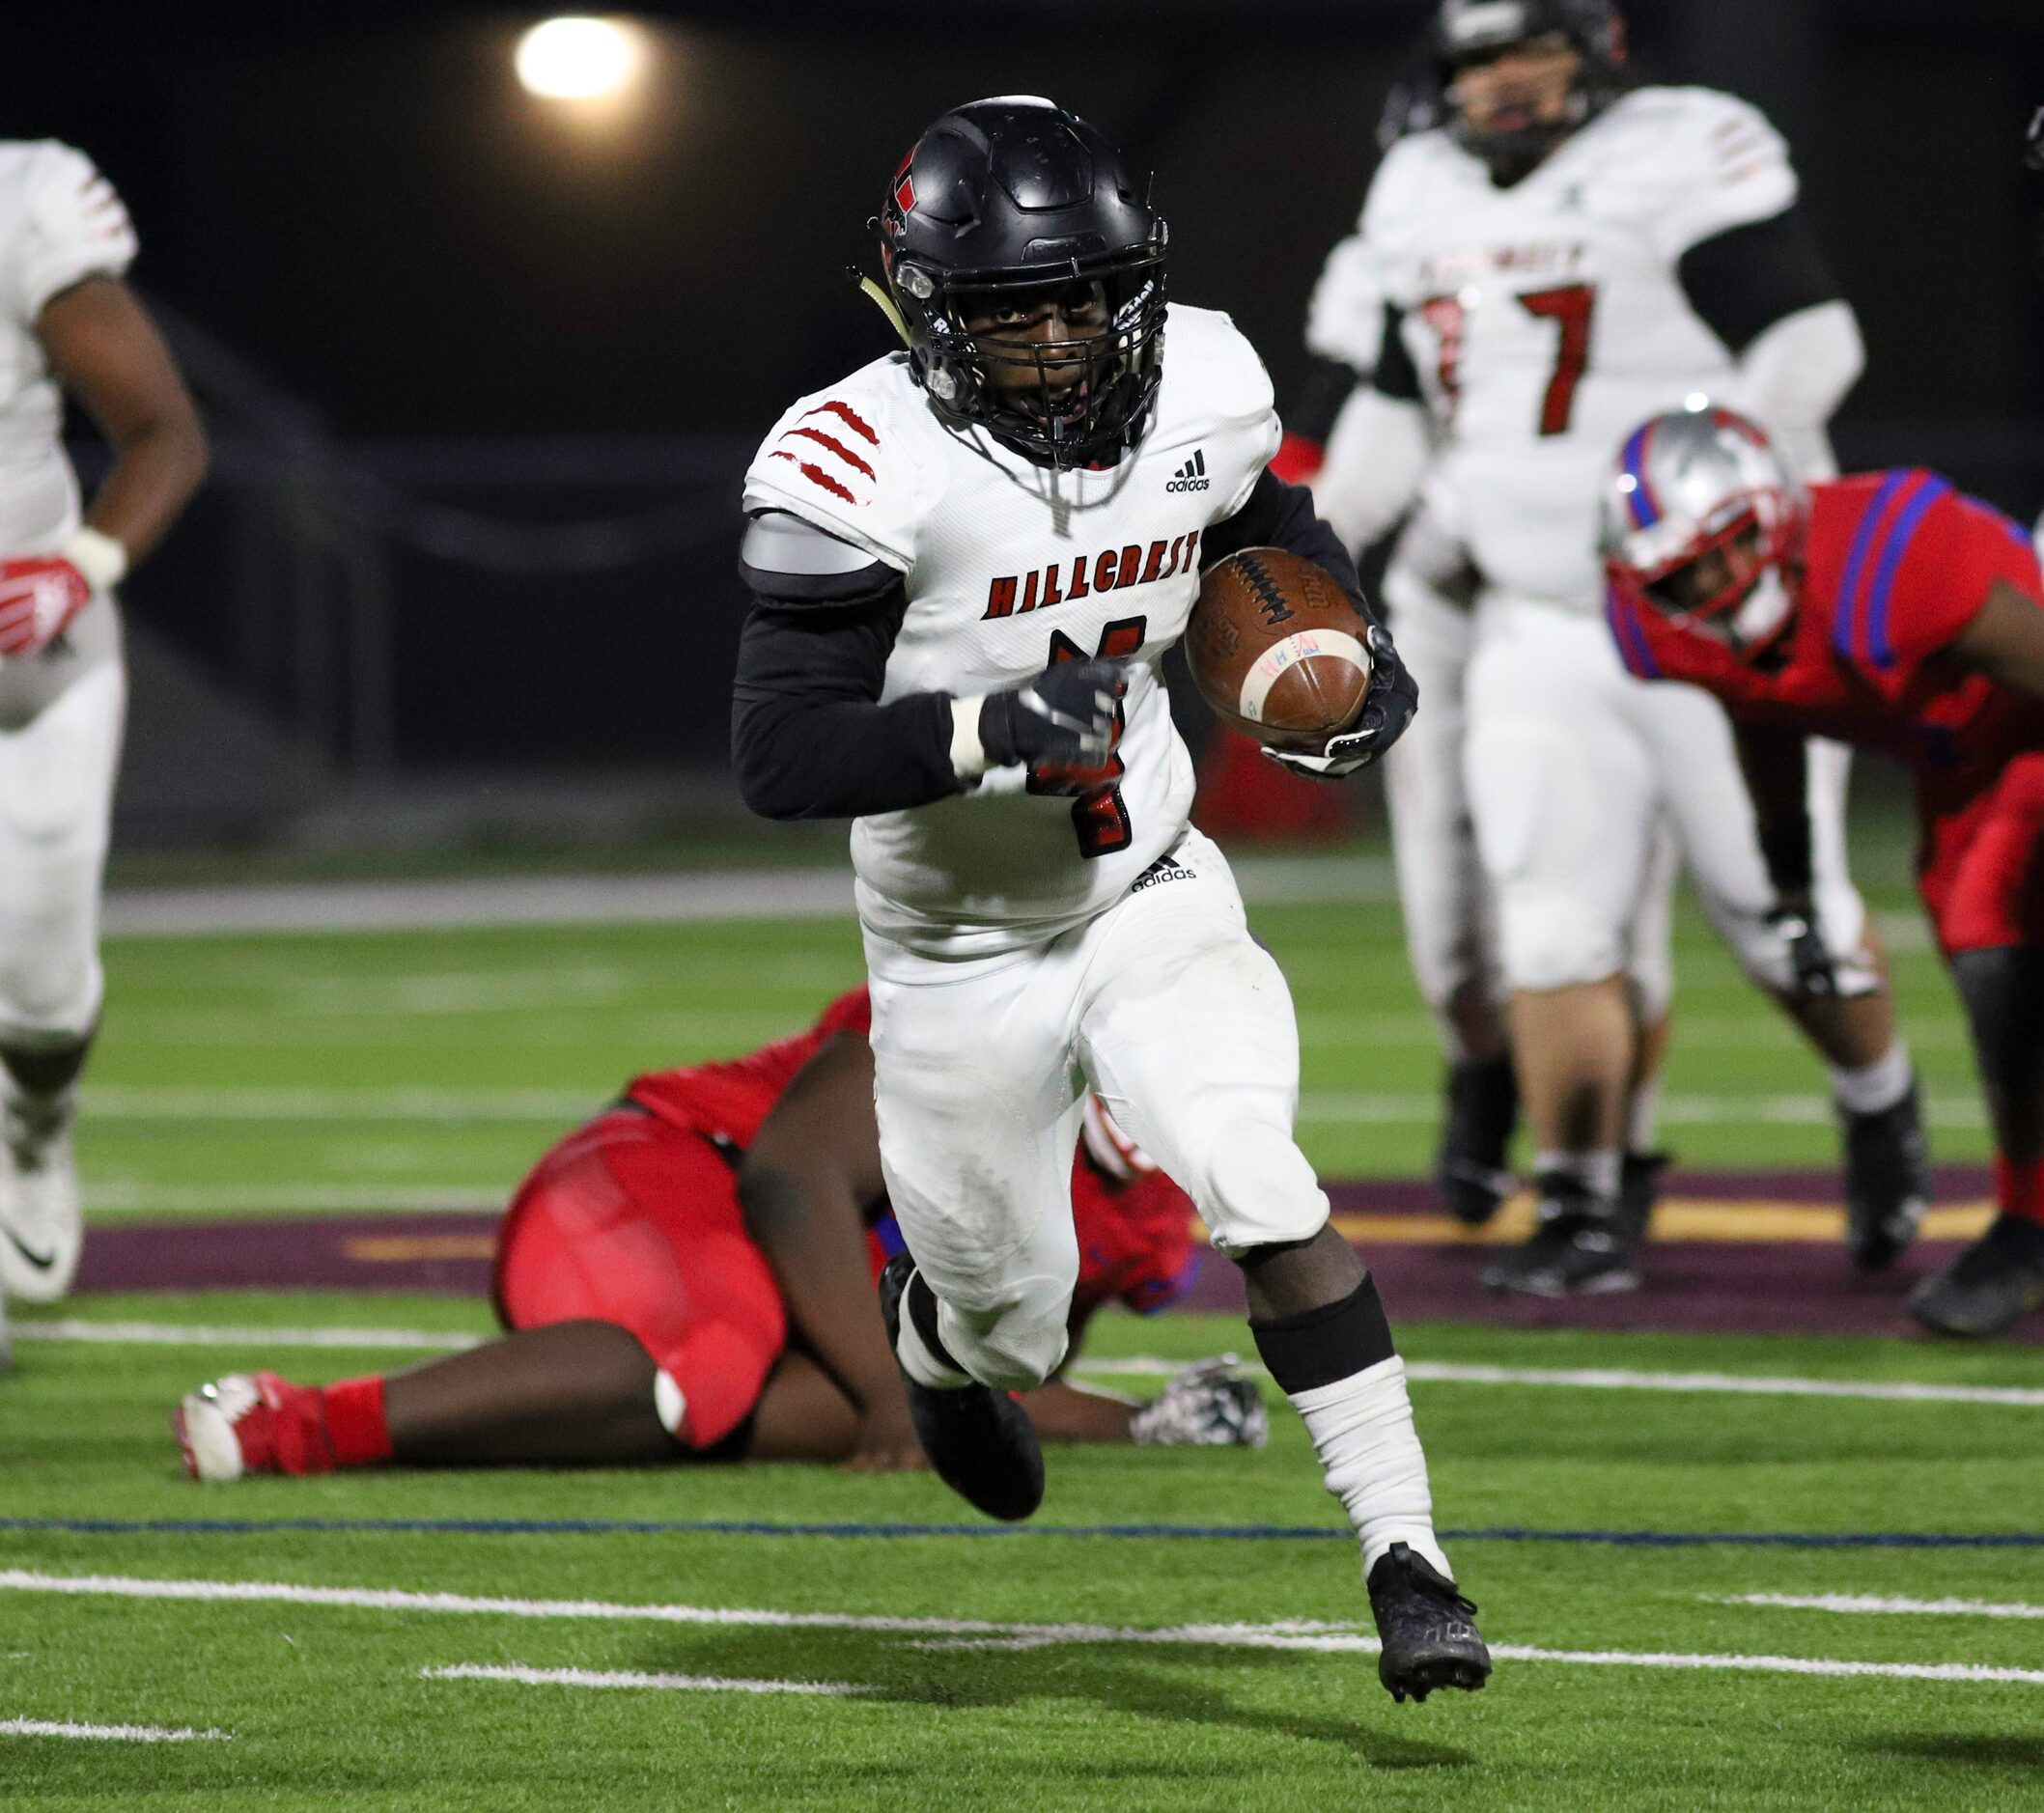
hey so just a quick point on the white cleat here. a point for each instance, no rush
(42, 1226)
(207, 1426)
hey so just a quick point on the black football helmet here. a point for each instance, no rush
(1008, 203)
(1467, 29)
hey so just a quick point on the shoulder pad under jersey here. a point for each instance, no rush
(61, 222)
(854, 462)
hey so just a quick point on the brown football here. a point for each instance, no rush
(1277, 649)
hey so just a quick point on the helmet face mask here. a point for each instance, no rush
(1030, 280)
(1471, 36)
(1705, 521)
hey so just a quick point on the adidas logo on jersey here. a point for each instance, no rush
(1192, 475)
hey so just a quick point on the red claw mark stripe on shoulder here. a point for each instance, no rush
(827, 454)
(817, 475)
(849, 416)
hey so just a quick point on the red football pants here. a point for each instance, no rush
(636, 1223)
(1982, 868)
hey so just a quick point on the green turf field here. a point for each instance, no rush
(273, 1075)
(410, 1070)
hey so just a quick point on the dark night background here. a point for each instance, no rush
(429, 317)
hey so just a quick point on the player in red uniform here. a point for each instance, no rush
(693, 1273)
(1886, 610)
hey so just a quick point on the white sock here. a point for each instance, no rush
(1641, 1115)
(1875, 1086)
(918, 1361)
(1598, 1172)
(1363, 1430)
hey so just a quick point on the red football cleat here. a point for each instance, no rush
(253, 1424)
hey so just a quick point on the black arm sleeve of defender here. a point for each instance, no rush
(1282, 516)
(809, 738)
(1396, 375)
(1775, 764)
(1328, 385)
(1746, 279)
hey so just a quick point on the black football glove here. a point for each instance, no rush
(1062, 718)
(1813, 969)
(1389, 702)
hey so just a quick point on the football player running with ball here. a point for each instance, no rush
(1565, 254)
(968, 559)
(1888, 611)
(67, 321)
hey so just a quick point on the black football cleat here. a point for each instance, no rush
(1581, 1248)
(1888, 1184)
(979, 1441)
(1994, 1282)
(1639, 1190)
(1469, 1169)
(1429, 1630)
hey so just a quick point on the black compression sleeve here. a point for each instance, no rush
(1328, 385)
(1743, 280)
(1282, 516)
(809, 738)
(1396, 375)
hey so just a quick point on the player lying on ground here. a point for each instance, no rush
(1549, 251)
(68, 324)
(1887, 611)
(968, 560)
(691, 1275)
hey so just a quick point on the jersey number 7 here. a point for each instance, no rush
(1099, 817)
(1573, 306)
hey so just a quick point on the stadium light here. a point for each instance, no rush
(581, 59)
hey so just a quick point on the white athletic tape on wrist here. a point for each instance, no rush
(1281, 656)
(102, 559)
(969, 756)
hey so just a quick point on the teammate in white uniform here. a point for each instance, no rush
(1562, 250)
(970, 560)
(67, 321)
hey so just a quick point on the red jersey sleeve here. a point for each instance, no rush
(848, 1013)
(1922, 563)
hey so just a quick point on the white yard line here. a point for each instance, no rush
(811, 893)
(1140, 1366)
(1294, 1635)
(204, 1334)
(1607, 1378)
(1374, 1108)
(117, 1104)
(478, 1199)
(632, 1678)
(1870, 1603)
(113, 1734)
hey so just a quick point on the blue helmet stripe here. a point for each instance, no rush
(1645, 513)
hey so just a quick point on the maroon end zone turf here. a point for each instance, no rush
(1757, 1287)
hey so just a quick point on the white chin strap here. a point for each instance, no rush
(1766, 608)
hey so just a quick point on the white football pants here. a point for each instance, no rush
(1171, 1011)
(1571, 766)
(56, 804)
(1446, 900)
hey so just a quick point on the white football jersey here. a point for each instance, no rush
(1547, 320)
(60, 221)
(1010, 567)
